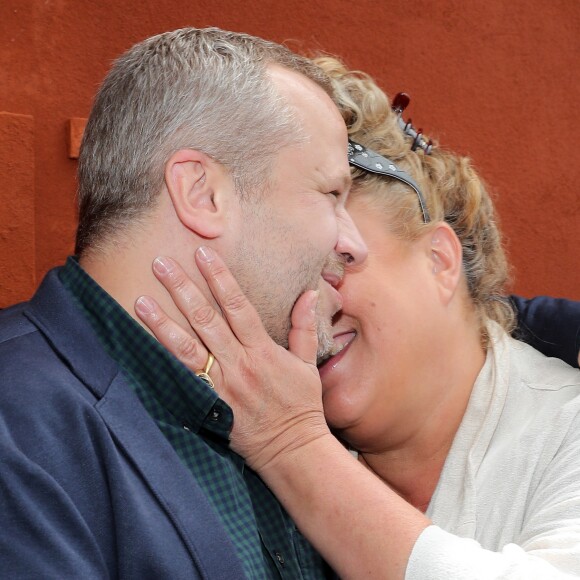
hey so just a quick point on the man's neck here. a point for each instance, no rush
(125, 273)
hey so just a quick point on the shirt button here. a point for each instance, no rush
(280, 558)
(186, 428)
(215, 415)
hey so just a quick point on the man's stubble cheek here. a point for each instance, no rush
(268, 294)
(275, 263)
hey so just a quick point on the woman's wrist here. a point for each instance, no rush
(296, 441)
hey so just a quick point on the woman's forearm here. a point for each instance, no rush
(359, 525)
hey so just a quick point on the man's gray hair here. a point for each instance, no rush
(199, 89)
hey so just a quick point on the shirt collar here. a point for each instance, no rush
(189, 399)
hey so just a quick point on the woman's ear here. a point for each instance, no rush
(446, 260)
(192, 179)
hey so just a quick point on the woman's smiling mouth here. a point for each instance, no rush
(341, 343)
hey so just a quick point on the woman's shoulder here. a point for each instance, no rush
(531, 370)
(534, 393)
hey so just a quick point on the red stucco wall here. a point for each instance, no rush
(494, 79)
(17, 228)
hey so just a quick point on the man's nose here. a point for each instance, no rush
(350, 243)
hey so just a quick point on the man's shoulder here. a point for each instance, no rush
(552, 325)
(48, 372)
(14, 324)
(39, 392)
(25, 353)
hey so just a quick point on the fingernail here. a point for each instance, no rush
(163, 265)
(206, 254)
(145, 305)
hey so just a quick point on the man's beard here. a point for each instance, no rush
(245, 267)
(324, 316)
(326, 347)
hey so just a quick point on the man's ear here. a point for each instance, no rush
(192, 179)
(446, 260)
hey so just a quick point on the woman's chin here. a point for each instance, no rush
(340, 410)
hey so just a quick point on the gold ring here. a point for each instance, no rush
(204, 374)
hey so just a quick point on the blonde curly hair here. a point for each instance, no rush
(453, 190)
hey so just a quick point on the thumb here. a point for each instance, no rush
(303, 337)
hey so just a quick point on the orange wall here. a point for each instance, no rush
(494, 79)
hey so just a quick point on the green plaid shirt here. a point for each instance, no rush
(197, 423)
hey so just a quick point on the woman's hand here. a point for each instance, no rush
(275, 393)
(279, 425)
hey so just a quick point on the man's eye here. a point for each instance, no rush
(334, 193)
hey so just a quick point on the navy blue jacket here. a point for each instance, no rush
(89, 487)
(550, 325)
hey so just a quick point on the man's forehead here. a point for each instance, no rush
(335, 166)
(322, 125)
(334, 179)
(293, 83)
(310, 101)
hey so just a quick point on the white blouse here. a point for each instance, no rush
(507, 504)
